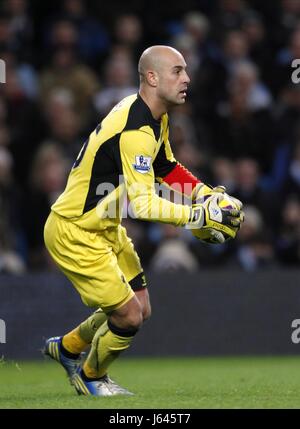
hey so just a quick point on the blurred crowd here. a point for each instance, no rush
(68, 62)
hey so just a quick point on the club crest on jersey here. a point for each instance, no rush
(142, 163)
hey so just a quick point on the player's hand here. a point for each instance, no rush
(210, 215)
(237, 202)
(202, 191)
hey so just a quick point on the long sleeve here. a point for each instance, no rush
(138, 154)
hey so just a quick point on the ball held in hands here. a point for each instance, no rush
(222, 226)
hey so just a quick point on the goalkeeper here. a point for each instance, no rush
(83, 232)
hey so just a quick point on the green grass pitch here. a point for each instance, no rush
(174, 383)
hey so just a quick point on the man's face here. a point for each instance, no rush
(172, 79)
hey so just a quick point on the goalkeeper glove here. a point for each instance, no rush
(212, 217)
(201, 192)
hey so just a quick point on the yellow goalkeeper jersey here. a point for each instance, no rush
(122, 156)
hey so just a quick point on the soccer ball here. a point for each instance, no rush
(210, 235)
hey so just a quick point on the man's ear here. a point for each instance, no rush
(152, 78)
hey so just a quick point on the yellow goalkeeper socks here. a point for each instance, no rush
(91, 364)
(73, 343)
(89, 327)
(89, 373)
(77, 340)
(105, 349)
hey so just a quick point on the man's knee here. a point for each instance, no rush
(129, 316)
(133, 320)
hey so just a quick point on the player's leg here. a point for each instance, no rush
(119, 321)
(123, 324)
(67, 349)
(91, 363)
(130, 264)
(69, 359)
(77, 340)
(125, 320)
(105, 285)
(88, 328)
(100, 283)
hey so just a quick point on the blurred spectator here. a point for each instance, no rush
(26, 74)
(259, 46)
(185, 44)
(4, 136)
(236, 49)
(289, 16)
(118, 82)
(193, 41)
(64, 124)
(197, 26)
(64, 34)
(223, 172)
(292, 184)
(19, 111)
(245, 80)
(66, 72)
(288, 241)
(240, 131)
(128, 33)
(210, 84)
(173, 253)
(3, 110)
(6, 40)
(287, 114)
(10, 209)
(93, 40)
(47, 181)
(20, 28)
(229, 15)
(283, 63)
(248, 189)
(184, 136)
(254, 245)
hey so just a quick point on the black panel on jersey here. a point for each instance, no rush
(140, 115)
(107, 168)
(161, 165)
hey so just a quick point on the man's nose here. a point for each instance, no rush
(186, 78)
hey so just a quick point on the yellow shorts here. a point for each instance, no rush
(103, 266)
